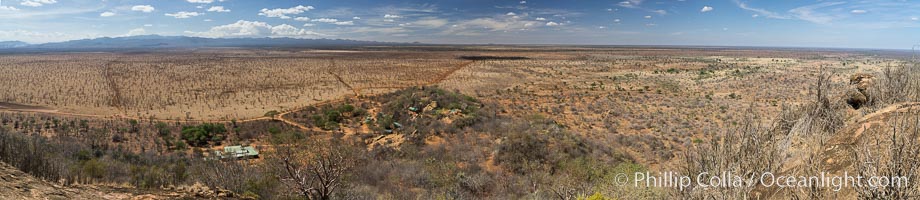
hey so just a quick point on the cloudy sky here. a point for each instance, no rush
(797, 23)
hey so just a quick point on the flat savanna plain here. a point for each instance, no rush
(648, 102)
(221, 85)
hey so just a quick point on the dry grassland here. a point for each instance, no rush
(650, 103)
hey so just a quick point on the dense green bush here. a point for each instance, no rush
(329, 118)
(401, 106)
(200, 135)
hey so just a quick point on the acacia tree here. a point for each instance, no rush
(315, 169)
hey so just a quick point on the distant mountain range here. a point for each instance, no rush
(12, 44)
(157, 41)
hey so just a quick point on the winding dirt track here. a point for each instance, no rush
(279, 117)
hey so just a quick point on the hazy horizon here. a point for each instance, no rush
(800, 24)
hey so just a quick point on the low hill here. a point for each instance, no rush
(12, 44)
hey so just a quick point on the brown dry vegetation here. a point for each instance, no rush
(553, 122)
(220, 86)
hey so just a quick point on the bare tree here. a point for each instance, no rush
(314, 170)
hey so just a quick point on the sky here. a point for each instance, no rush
(885, 24)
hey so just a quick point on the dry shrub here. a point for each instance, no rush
(821, 116)
(241, 177)
(896, 84)
(788, 145)
(892, 153)
(749, 148)
(314, 169)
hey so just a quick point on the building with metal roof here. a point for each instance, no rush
(237, 152)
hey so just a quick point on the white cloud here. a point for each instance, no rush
(504, 24)
(345, 23)
(200, 1)
(523, 2)
(759, 11)
(333, 21)
(37, 3)
(648, 17)
(540, 19)
(355, 18)
(243, 28)
(148, 25)
(41, 37)
(106, 14)
(309, 24)
(137, 31)
(218, 9)
(616, 20)
(184, 14)
(285, 30)
(511, 14)
(706, 9)
(393, 31)
(634, 4)
(552, 24)
(143, 8)
(8, 8)
(303, 19)
(808, 13)
(430, 23)
(325, 20)
(389, 16)
(630, 3)
(914, 18)
(284, 12)
(858, 11)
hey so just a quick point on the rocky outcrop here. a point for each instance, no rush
(856, 99)
(858, 95)
(862, 81)
(203, 191)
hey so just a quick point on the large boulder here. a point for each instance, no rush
(862, 81)
(858, 97)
